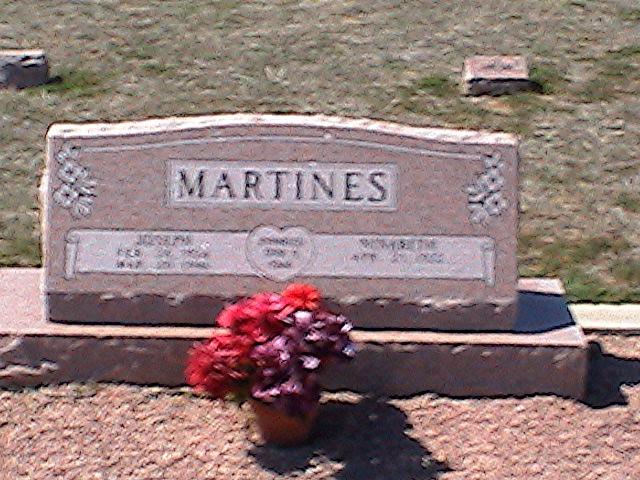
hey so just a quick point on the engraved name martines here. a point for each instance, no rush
(280, 254)
(286, 185)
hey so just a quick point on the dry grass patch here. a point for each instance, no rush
(389, 59)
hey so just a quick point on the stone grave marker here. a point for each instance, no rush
(162, 221)
(497, 75)
(153, 225)
(23, 68)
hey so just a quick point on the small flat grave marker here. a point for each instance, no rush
(497, 75)
(23, 68)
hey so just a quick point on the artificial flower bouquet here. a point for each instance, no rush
(274, 349)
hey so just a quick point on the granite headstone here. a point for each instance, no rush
(163, 221)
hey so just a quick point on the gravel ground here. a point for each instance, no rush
(127, 432)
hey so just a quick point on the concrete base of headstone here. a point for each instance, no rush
(545, 354)
(23, 68)
(150, 310)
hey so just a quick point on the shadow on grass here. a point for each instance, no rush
(368, 439)
(607, 373)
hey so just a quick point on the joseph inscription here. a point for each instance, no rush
(279, 254)
(162, 221)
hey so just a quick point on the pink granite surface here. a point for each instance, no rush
(496, 67)
(34, 351)
(448, 199)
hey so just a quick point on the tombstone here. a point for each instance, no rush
(23, 68)
(398, 227)
(150, 227)
(497, 75)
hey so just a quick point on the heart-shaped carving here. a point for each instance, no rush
(279, 253)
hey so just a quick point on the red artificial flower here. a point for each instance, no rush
(220, 365)
(302, 296)
(259, 317)
(275, 346)
(230, 316)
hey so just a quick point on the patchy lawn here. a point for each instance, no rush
(388, 59)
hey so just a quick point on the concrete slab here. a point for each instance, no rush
(547, 353)
(623, 319)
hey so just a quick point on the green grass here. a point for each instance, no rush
(629, 201)
(563, 253)
(78, 82)
(577, 263)
(597, 90)
(525, 107)
(628, 271)
(626, 52)
(630, 14)
(18, 244)
(585, 286)
(615, 74)
(548, 77)
(438, 85)
(622, 64)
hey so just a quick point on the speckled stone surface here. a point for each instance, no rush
(546, 352)
(162, 221)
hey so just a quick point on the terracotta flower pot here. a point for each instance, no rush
(278, 428)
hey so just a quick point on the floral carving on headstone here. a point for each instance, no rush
(485, 192)
(77, 191)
